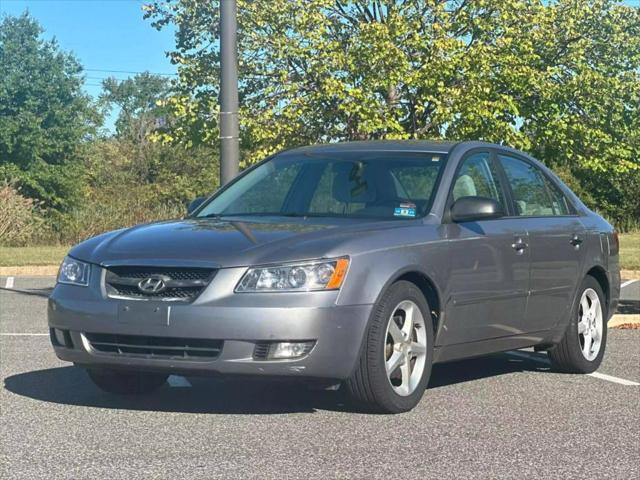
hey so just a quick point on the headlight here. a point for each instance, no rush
(300, 277)
(74, 272)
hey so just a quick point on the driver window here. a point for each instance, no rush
(477, 178)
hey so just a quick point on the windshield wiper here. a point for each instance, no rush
(293, 214)
(256, 214)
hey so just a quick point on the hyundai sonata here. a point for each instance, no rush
(356, 264)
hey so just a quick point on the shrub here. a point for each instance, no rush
(98, 215)
(20, 220)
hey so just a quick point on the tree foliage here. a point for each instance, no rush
(559, 79)
(138, 100)
(122, 189)
(44, 115)
(59, 181)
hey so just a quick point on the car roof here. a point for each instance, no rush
(416, 146)
(377, 146)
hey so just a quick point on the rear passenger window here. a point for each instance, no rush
(533, 193)
(477, 178)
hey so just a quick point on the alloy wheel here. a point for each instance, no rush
(590, 324)
(405, 347)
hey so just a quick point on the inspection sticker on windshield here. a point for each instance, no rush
(405, 210)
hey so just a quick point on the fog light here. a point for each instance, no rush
(59, 336)
(290, 349)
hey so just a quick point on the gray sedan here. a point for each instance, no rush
(355, 264)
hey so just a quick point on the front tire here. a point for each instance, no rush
(127, 383)
(395, 362)
(583, 345)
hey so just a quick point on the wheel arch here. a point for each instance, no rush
(600, 275)
(374, 284)
(427, 286)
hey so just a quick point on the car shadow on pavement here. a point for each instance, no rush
(35, 292)
(468, 370)
(71, 386)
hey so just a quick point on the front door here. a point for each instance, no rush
(489, 263)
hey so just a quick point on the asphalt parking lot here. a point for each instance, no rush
(503, 416)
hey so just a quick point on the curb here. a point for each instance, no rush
(30, 271)
(630, 274)
(617, 320)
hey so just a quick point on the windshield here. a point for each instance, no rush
(369, 185)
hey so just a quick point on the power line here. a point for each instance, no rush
(105, 78)
(109, 77)
(127, 71)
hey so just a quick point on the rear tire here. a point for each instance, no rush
(127, 383)
(395, 361)
(583, 345)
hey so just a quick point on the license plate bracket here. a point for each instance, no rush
(143, 313)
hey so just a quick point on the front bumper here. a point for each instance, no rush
(239, 320)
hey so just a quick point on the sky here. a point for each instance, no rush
(108, 37)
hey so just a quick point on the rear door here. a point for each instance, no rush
(556, 236)
(489, 262)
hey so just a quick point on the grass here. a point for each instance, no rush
(630, 251)
(24, 256)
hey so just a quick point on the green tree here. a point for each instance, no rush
(141, 116)
(560, 78)
(44, 115)
(138, 100)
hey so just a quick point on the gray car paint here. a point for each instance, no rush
(489, 298)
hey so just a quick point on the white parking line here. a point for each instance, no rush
(609, 378)
(177, 381)
(601, 376)
(627, 283)
(9, 282)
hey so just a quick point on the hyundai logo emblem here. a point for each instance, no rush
(153, 284)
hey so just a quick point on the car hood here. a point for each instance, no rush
(223, 243)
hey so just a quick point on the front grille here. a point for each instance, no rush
(181, 284)
(181, 293)
(195, 349)
(176, 273)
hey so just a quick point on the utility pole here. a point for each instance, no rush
(229, 129)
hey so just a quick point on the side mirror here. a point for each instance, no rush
(469, 209)
(195, 204)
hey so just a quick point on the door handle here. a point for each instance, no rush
(519, 246)
(576, 241)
